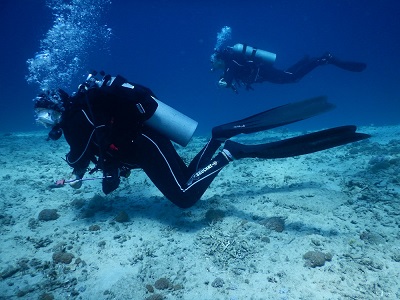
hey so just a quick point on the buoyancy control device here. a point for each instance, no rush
(166, 120)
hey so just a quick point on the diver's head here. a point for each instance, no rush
(217, 60)
(49, 107)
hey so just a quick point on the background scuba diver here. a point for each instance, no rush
(104, 122)
(245, 65)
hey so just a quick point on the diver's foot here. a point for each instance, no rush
(234, 150)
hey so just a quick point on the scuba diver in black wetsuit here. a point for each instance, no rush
(119, 126)
(245, 65)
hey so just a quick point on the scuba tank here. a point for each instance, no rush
(171, 123)
(251, 53)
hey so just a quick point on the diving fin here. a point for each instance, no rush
(275, 117)
(351, 66)
(304, 144)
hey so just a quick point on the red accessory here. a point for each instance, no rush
(113, 147)
(60, 182)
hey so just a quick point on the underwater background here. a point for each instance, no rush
(166, 45)
(318, 226)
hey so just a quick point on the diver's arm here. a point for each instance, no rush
(78, 132)
(235, 74)
(229, 75)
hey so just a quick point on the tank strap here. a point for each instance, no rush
(244, 49)
(253, 54)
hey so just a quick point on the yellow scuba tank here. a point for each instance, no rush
(254, 54)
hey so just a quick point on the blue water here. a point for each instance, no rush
(166, 45)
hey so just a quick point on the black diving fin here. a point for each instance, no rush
(300, 145)
(275, 117)
(351, 66)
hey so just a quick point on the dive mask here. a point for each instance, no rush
(47, 117)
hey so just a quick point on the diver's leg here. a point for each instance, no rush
(306, 65)
(158, 158)
(273, 75)
(305, 144)
(293, 74)
(205, 155)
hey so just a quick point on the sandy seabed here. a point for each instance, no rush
(319, 226)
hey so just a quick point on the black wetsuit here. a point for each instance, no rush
(110, 132)
(106, 125)
(240, 70)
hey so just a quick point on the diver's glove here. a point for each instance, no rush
(222, 83)
(111, 180)
(124, 172)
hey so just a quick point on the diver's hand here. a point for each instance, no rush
(110, 180)
(124, 172)
(222, 83)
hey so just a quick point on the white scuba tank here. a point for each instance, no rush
(173, 124)
(254, 54)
